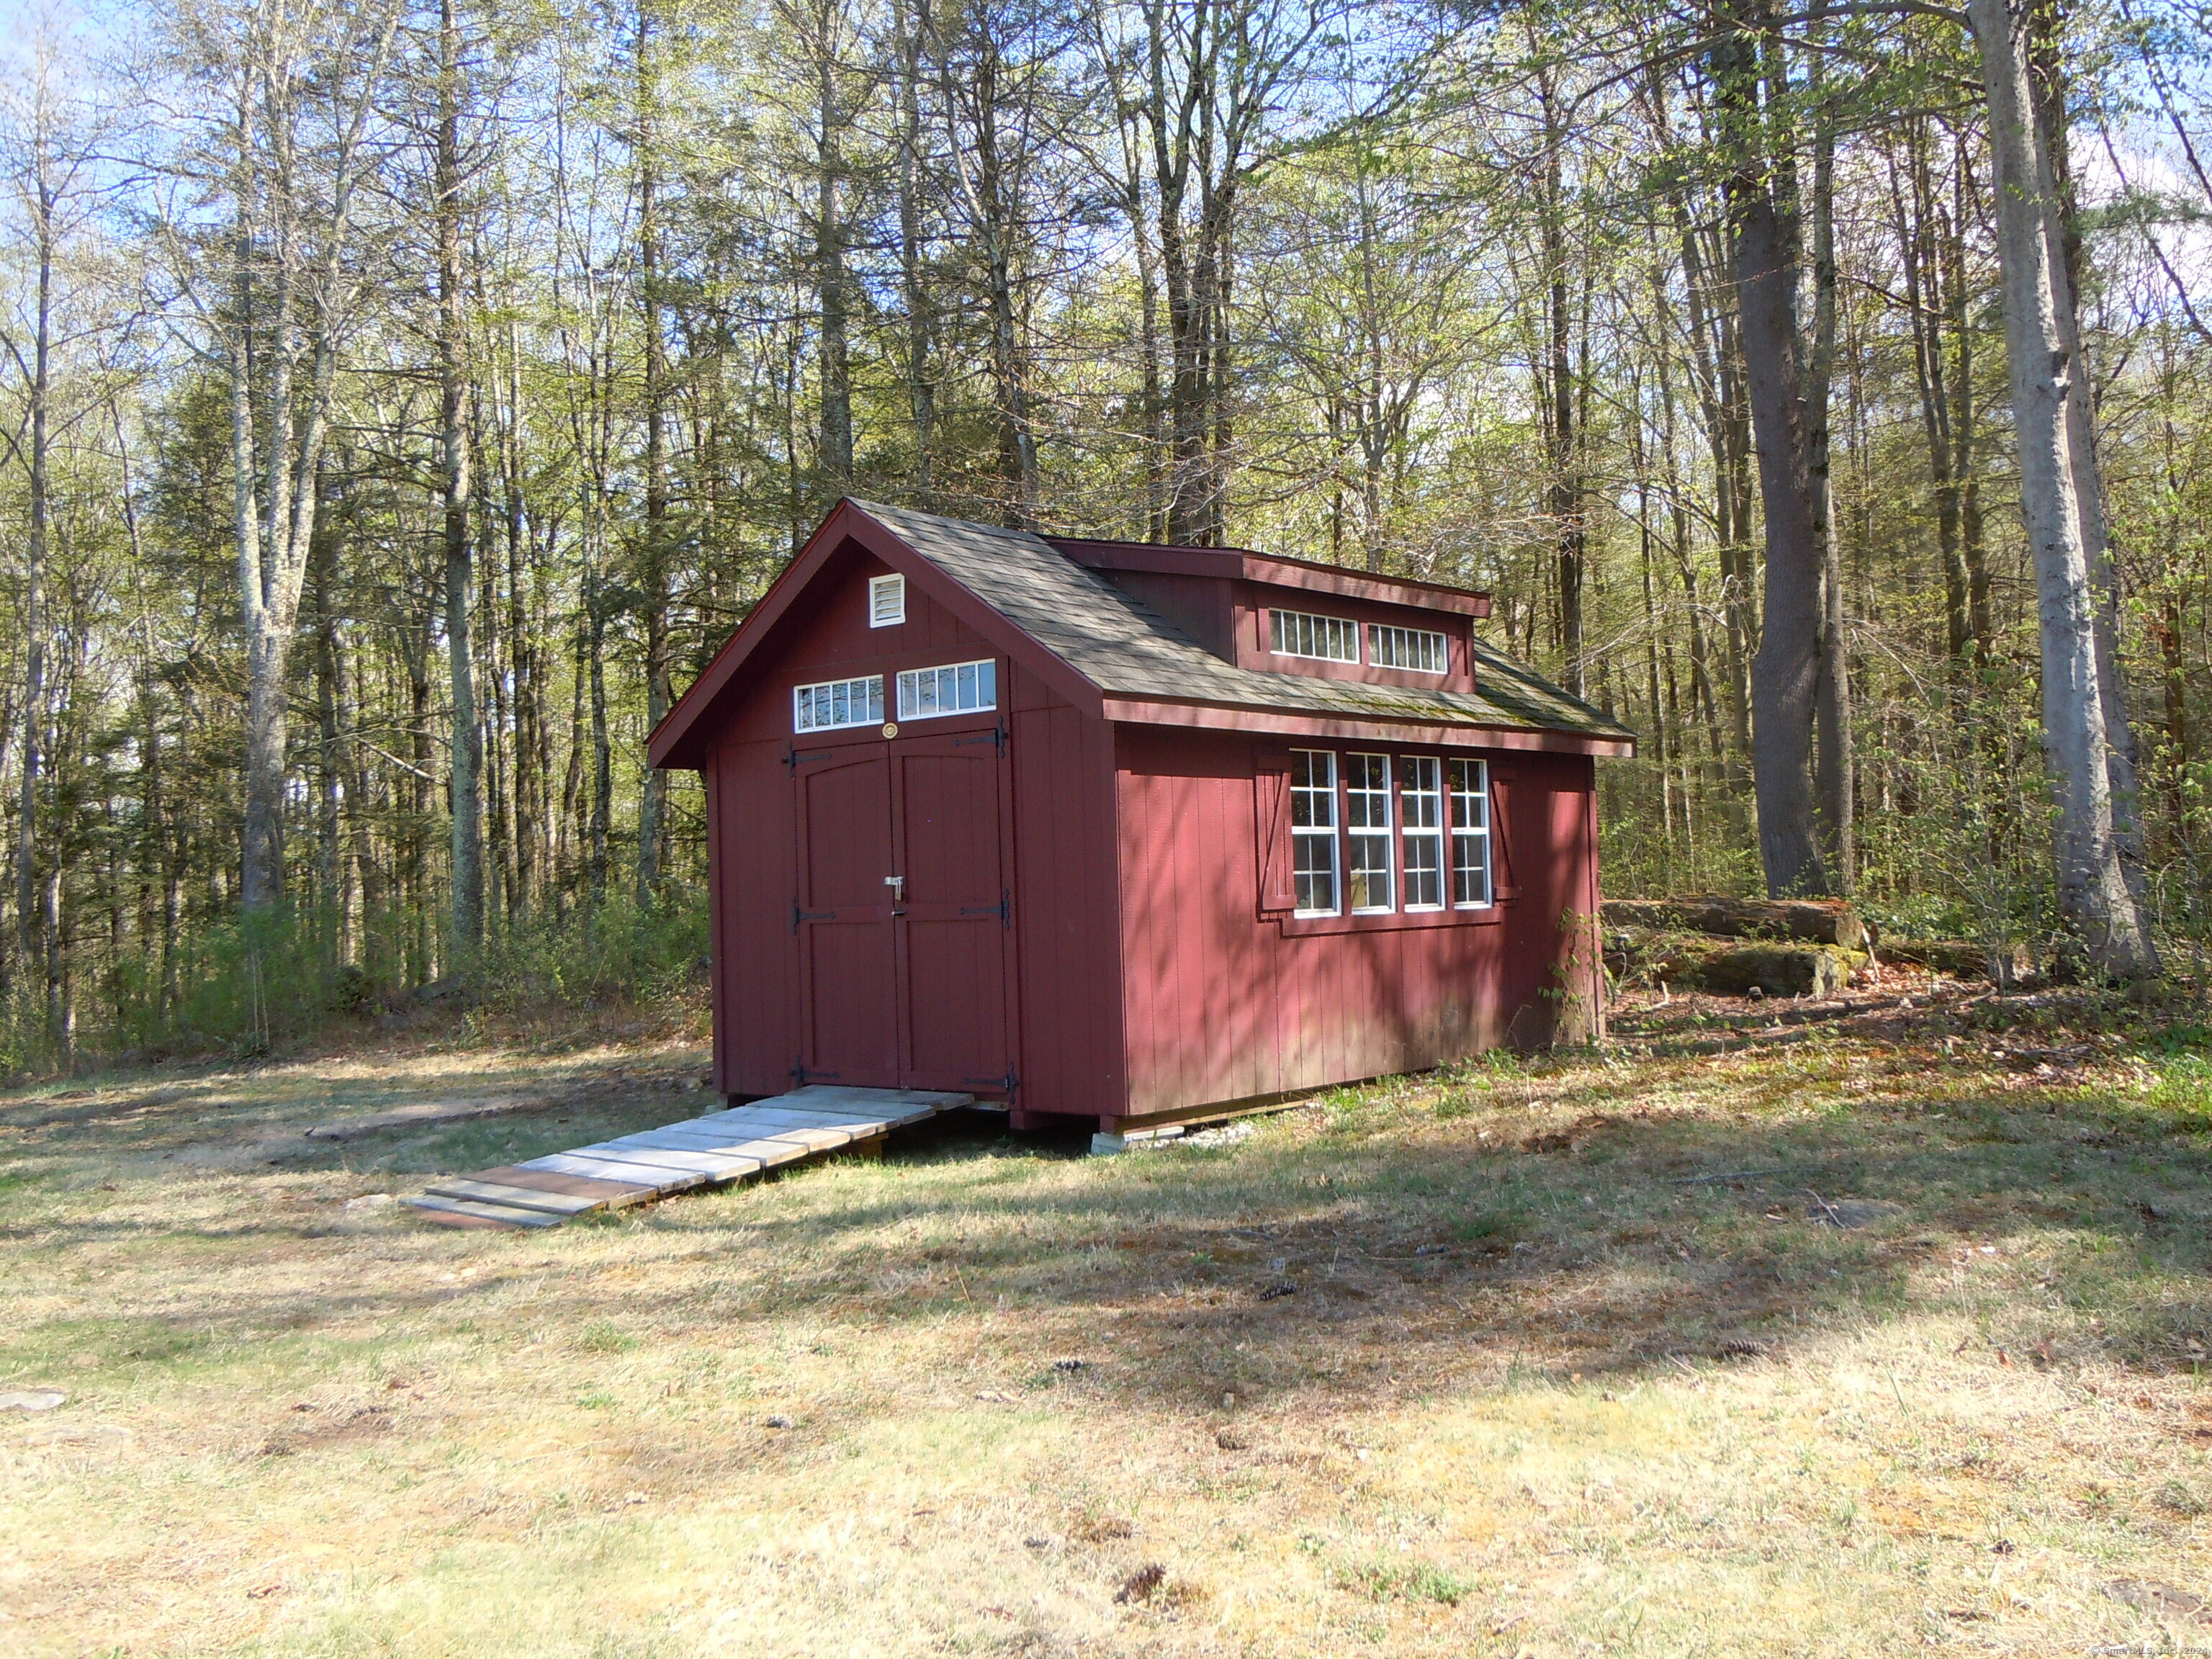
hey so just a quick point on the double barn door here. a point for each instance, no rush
(904, 914)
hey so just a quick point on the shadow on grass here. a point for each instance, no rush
(1367, 1243)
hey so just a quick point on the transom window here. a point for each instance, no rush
(1375, 833)
(957, 687)
(886, 601)
(831, 704)
(1298, 634)
(1415, 648)
(1313, 830)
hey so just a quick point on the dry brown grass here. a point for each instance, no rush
(1534, 1385)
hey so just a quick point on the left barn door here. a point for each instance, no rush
(848, 988)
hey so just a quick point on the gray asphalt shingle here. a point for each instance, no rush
(1127, 649)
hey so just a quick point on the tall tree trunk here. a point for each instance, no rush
(531, 766)
(465, 741)
(921, 308)
(1784, 672)
(1565, 489)
(2094, 894)
(830, 277)
(1833, 783)
(27, 914)
(2047, 91)
(659, 694)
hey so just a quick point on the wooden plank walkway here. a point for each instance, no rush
(699, 1152)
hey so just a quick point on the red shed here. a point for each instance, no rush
(1124, 832)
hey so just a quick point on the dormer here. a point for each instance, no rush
(1281, 615)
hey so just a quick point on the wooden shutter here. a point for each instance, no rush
(1271, 816)
(1505, 878)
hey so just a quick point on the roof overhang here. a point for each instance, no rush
(1351, 729)
(1236, 563)
(681, 740)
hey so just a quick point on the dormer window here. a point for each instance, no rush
(1412, 648)
(1326, 639)
(886, 601)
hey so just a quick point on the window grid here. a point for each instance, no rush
(957, 687)
(830, 704)
(1326, 639)
(1367, 815)
(1413, 648)
(1313, 830)
(1470, 818)
(1421, 818)
(886, 601)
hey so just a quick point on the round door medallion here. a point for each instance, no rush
(890, 729)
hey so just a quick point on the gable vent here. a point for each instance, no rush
(886, 601)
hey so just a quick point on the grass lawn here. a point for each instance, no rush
(1547, 1358)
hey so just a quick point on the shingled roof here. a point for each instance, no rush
(1128, 650)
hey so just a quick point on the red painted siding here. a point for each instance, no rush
(1224, 1003)
(1064, 907)
(1055, 1015)
(1141, 973)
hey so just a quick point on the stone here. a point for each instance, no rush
(1786, 970)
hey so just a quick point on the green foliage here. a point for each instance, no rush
(246, 986)
(620, 952)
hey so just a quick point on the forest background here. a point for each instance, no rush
(399, 402)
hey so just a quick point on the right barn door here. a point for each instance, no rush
(954, 925)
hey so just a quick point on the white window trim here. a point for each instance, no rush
(880, 616)
(1350, 628)
(910, 677)
(1387, 832)
(1439, 836)
(1377, 630)
(1331, 833)
(1481, 793)
(871, 693)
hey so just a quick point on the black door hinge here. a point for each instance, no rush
(1004, 910)
(791, 757)
(799, 915)
(996, 737)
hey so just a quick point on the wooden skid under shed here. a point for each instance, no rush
(699, 1152)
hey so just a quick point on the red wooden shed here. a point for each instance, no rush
(1124, 832)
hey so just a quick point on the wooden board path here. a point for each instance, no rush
(699, 1152)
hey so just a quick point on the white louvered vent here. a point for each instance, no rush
(886, 601)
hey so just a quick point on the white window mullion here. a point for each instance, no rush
(1470, 834)
(1421, 818)
(1367, 814)
(830, 704)
(957, 688)
(1313, 831)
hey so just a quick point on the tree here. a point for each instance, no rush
(2060, 501)
(1751, 75)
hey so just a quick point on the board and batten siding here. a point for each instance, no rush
(1065, 906)
(1226, 1003)
(1067, 1046)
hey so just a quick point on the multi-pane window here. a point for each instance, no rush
(957, 687)
(1420, 830)
(1297, 633)
(1408, 647)
(1313, 830)
(1470, 834)
(1367, 822)
(833, 703)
